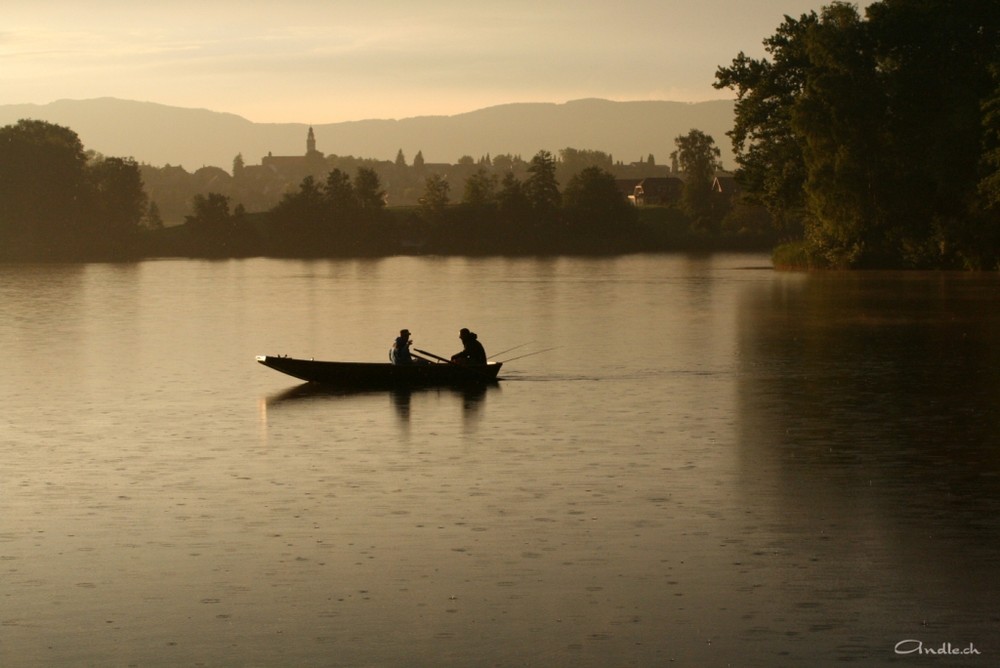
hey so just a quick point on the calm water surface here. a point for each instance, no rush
(718, 465)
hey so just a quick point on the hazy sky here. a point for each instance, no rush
(331, 60)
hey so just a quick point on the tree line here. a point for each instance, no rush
(259, 188)
(866, 142)
(59, 202)
(495, 213)
(875, 141)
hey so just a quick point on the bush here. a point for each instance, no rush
(792, 255)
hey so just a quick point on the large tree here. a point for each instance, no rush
(698, 158)
(301, 220)
(989, 186)
(572, 161)
(937, 60)
(339, 194)
(480, 192)
(871, 131)
(768, 151)
(435, 198)
(368, 190)
(512, 202)
(54, 204)
(43, 189)
(218, 232)
(595, 207)
(541, 187)
(121, 202)
(839, 119)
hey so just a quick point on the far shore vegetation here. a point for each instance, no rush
(861, 142)
(61, 203)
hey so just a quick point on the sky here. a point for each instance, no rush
(328, 61)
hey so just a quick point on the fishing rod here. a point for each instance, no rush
(473, 369)
(437, 357)
(537, 352)
(510, 349)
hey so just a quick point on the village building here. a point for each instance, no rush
(668, 190)
(296, 166)
(727, 185)
(652, 191)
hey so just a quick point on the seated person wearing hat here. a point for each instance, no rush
(400, 351)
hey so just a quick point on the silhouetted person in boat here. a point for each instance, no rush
(400, 351)
(472, 350)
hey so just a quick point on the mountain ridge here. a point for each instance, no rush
(159, 134)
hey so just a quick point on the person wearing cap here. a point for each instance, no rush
(400, 351)
(472, 350)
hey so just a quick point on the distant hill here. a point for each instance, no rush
(158, 135)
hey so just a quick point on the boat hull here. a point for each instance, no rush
(374, 374)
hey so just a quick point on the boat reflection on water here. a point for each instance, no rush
(472, 396)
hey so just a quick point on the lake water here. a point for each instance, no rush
(717, 464)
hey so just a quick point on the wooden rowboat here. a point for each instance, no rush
(375, 374)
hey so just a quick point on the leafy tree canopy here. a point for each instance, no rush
(54, 204)
(698, 157)
(541, 188)
(368, 189)
(436, 196)
(596, 205)
(480, 190)
(869, 136)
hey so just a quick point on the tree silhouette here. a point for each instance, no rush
(42, 183)
(120, 203)
(541, 188)
(435, 198)
(698, 157)
(595, 207)
(872, 134)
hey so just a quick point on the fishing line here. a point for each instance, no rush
(537, 352)
(510, 349)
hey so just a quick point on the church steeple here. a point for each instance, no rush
(312, 161)
(310, 142)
